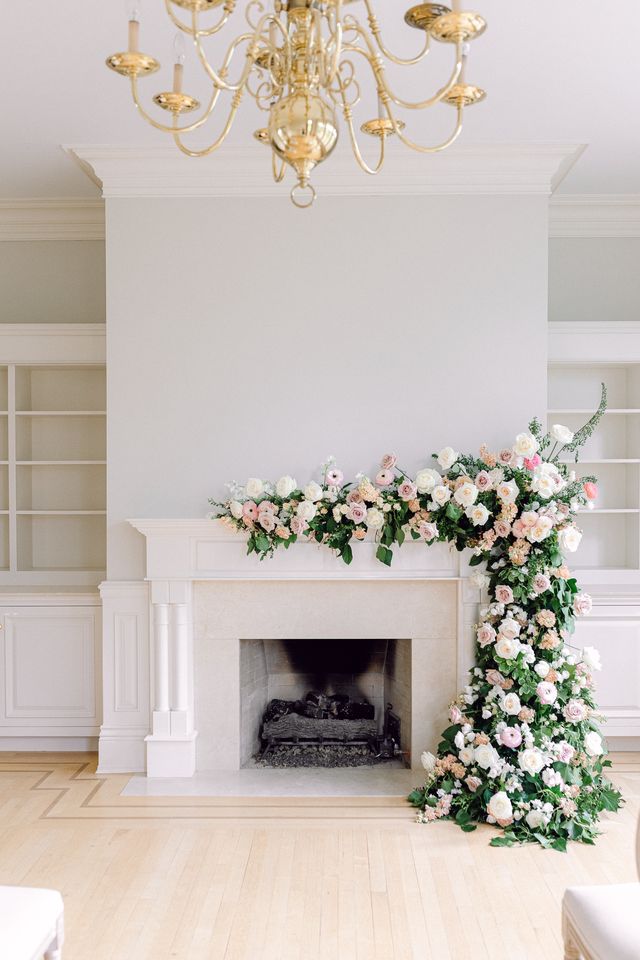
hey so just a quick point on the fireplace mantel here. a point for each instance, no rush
(184, 549)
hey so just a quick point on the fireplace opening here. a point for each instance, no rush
(329, 703)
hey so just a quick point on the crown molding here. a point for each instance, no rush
(36, 218)
(595, 215)
(503, 169)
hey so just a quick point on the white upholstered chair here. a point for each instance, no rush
(603, 922)
(31, 924)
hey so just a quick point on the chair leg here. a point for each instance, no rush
(571, 951)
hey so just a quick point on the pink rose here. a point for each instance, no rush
(511, 737)
(582, 604)
(334, 478)
(473, 783)
(298, 525)
(565, 752)
(518, 529)
(483, 481)
(266, 521)
(590, 490)
(389, 461)
(495, 678)
(407, 490)
(575, 711)
(455, 714)
(532, 462)
(504, 593)
(354, 496)
(541, 583)
(384, 478)
(502, 528)
(266, 506)
(250, 510)
(428, 531)
(485, 634)
(547, 692)
(357, 512)
(505, 456)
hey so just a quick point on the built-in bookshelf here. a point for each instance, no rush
(52, 473)
(612, 530)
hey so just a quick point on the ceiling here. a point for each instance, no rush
(553, 70)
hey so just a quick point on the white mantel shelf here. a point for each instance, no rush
(191, 549)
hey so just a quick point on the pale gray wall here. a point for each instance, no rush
(52, 281)
(250, 338)
(594, 279)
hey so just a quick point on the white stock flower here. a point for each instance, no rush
(428, 762)
(285, 487)
(593, 744)
(306, 510)
(466, 494)
(561, 433)
(235, 508)
(507, 491)
(510, 704)
(447, 457)
(499, 806)
(374, 518)
(427, 479)
(569, 539)
(478, 514)
(313, 491)
(441, 494)
(531, 760)
(526, 445)
(254, 488)
(591, 657)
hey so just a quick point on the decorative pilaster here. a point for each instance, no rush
(171, 745)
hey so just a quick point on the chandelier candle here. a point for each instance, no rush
(299, 63)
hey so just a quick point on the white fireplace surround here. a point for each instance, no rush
(171, 644)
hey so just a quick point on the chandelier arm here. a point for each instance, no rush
(209, 31)
(170, 129)
(416, 146)
(356, 148)
(378, 68)
(374, 26)
(217, 78)
(235, 103)
(278, 175)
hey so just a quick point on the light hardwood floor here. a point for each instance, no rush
(204, 879)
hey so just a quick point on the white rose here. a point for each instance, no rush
(478, 514)
(535, 818)
(467, 756)
(235, 508)
(426, 480)
(510, 704)
(306, 510)
(313, 491)
(507, 647)
(540, 530)
(466, 494)
(546, 480)
(500, 807)
(561, 433)
(447, 457)
(374, 518)
(507, 491)
(593, 744)
(285, 487)
(486, 756)
(569, 539)
(428, 762)
(531, 760)
(526, 445)
(509, 627)
(441, 494)
(591, 657)
(254, 488)
(542, 668)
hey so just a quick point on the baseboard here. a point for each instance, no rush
(623, 744)
(120, 752)
(49, 744)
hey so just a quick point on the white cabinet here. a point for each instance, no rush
(50, 666)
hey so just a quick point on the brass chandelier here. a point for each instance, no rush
(300, 68)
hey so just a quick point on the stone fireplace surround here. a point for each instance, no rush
(172, 644)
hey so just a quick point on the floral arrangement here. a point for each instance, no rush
(523, 750)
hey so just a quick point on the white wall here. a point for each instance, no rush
(52, 281)
(594, 279)
(252, 338)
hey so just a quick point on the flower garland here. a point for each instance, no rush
(523, 750)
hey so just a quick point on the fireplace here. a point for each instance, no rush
(340, 701)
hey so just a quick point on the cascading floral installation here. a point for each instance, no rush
(523, 750)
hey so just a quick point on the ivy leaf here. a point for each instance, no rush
(505, 841)
(416, 797)
(560, 843)
(468, 827)
(453, 512)
(347, 553)
(476, 559)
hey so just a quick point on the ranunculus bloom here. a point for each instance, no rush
(504, 593)
(250, 510)
(389, 461)
(407, 490)
(590, 490)
(547, 692)
(511, 737)
(334, 478)
(384, 478)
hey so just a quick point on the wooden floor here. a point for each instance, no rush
(204, 879)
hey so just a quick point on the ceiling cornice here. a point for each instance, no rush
(66, 218)
(504, 169)
(595, 215)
